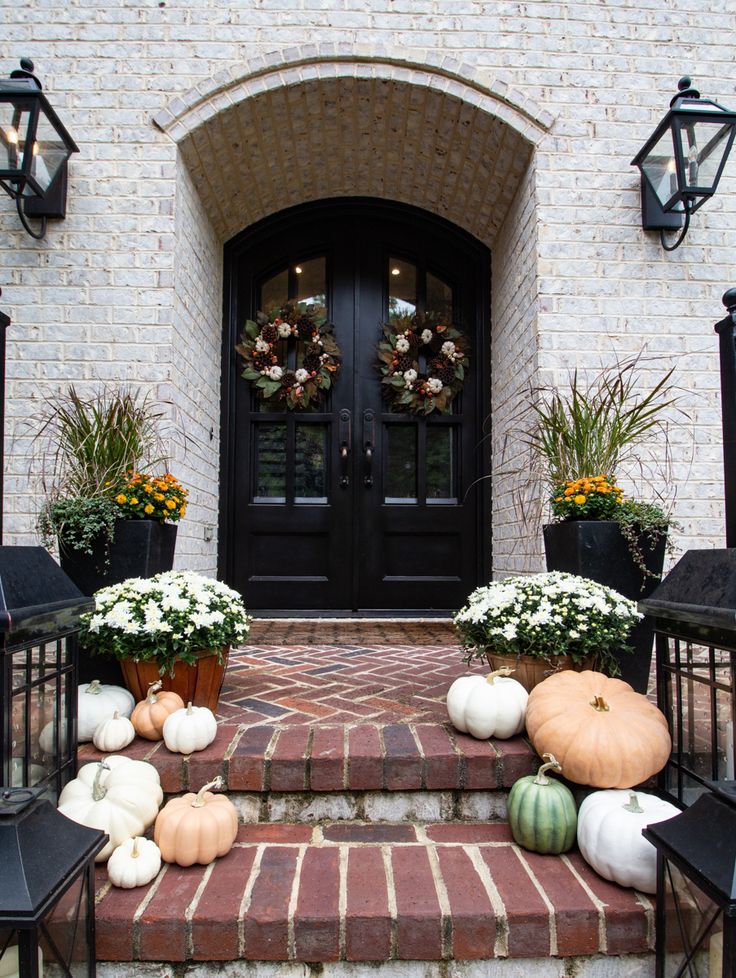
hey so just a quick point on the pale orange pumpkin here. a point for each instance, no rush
(196, 828)
(150, 714)
(602, 732)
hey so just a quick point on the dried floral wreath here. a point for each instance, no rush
(405, 386)
(264, 347)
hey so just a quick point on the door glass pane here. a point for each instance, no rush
(270, 464)
(401, 466)
(402, 289)
(439, 298)
(311, 279)
(310, 464)
(274, 292)
(440, 464)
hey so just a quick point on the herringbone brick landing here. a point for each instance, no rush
(371, 831)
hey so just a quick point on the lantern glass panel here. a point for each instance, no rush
(691, 922)
(705, 145)
(13, 129)
(660, 169)
(10, 954)
(49, 153)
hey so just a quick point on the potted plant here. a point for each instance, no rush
(584, 437)
(538, 624)
(176, 627)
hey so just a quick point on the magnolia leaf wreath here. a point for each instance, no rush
(444, 348)
(264, 347)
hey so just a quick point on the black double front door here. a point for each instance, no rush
(353, 506)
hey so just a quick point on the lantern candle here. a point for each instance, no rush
(9, 967)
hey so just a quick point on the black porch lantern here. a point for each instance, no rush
(696, 889)
(47, 892)
(34, 149)
(39, 623)
(682, 161)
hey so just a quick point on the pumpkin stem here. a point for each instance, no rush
(99, 790)
(217, 783)
(504, 671)
(552, 765)
(116, 715)
(599, 704)
(94, 687)
(134, 851)
(189, 708)
(633, 805)
(153, 688)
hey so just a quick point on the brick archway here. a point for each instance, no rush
(313, 123)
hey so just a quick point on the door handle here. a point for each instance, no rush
(369, 444)
(344, 431)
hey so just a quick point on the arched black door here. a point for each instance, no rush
(354, 506)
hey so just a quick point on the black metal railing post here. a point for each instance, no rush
(726, 330)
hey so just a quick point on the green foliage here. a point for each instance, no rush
(77, 522)
(642, 526)
(590, 430)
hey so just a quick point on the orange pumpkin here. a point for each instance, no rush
(602, 732)
(196, 828)
(150, 714)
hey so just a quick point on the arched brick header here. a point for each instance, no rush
(319, 121)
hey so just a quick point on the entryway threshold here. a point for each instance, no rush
(353, 616)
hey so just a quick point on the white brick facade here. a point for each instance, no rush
(516, 121)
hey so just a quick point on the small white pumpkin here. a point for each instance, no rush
(119, 795)
(134, 862)
(190, 729)
(610, 839)
(487, 706)
(97, 703)
(113, 734)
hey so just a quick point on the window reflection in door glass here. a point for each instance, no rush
(310, 476)
(401, 465)
(274, 292)
(402, 288)
(269, 471)
(312, 284)
(440, 464)
(439, 298)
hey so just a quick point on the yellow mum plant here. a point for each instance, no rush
(149, 497)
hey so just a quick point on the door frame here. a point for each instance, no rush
(230, 368)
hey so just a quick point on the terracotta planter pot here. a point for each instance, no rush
(530, 670)
(199, 684)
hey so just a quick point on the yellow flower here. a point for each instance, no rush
(121, 499)
(580, 500)
(158, 496)
(170, 504)
(134, 501)
(148, 509)
(182, 511)
(148, 489)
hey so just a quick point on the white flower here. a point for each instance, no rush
(302, 375)
(448, 348)
(426, 336)
(275, 372)
(409, 377)
(262, 346)
(284, 330)
(402, 344)
(435, 385)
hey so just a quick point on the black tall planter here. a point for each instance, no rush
(140, 548)
(598, 550)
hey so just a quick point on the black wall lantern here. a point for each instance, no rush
(682, 161)
(47, 893)
(696, 889)
(34, 149)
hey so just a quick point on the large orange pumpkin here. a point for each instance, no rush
(150, 714)
(602, 732)
(196, 828)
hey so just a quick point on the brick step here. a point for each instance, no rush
(339, 758)
(356, 892)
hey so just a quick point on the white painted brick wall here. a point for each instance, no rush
(129, 286)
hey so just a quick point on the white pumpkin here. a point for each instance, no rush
(36, 773)
(190, 729)
(134, 863)
(113, 734)
(487, 706)
(118, 795)
(96, 703)
(46, 737)
(610, 839)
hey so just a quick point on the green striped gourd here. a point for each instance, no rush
(542, 812)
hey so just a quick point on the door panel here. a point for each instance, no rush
(354, 506)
